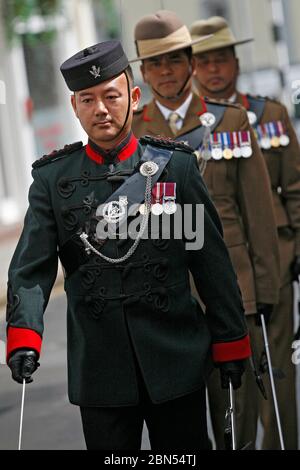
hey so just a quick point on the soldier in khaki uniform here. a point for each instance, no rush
(235, 184)
(217, 70)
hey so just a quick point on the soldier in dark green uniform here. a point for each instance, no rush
(139, 345)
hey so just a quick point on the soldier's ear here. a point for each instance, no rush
(73, 102)
(135, 97)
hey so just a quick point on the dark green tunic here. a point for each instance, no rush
(140, 307)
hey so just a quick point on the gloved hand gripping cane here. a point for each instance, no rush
(22, 414)
(231, 379)
(23, 363)
(229, 431)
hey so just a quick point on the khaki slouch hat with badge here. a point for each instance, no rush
(220, 35)
(160, 33)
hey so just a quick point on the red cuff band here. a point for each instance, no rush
(22, 338)
(231, 351)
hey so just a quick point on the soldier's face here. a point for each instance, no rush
(216, 72)
(102, 109)
(167, 73)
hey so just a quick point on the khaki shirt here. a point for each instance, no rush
(241, 192)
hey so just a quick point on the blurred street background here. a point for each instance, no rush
(36, 36)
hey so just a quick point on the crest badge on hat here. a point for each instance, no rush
(95, 71)
(94, 65)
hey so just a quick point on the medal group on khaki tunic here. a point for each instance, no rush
(228, 145)
(271, 135)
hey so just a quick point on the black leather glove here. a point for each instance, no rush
(22, 363)
(295, 268)
(231, 370)
(265, 310)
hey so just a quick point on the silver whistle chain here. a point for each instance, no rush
(144, 223)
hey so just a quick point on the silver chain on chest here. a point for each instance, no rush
(148, 172)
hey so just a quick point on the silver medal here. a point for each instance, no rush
(252, 117)
(236, 152)
(157, 209)
(246, 151)
(203, 153)
(265, 143)
(142, 209)
(149, 168)
(284, 140)
(169, 207)
(207, 119)
(217, 153)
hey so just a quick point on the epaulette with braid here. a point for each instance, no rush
(221, 102)
(57, 154)
(273, 100)
(166, 142)
(257, 97)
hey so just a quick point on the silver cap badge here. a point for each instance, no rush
(95, 71)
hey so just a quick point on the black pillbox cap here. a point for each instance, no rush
(94, 65)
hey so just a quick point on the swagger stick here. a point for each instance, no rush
(232, 415)
(229, 431)
(272, 380)
(22, 413)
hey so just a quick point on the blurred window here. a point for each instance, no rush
(41, 75)
(3, 177)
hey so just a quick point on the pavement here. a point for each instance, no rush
(50, 421)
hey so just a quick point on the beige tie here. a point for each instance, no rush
(173, 119)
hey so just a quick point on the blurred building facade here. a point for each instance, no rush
(35, 112)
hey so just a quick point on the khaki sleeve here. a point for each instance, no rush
(290, 178)
(255, 200)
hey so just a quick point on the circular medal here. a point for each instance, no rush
(157, 209)
(217, 153)
(275, 142)
(252, 117)
(169, 207)
(205, 154)
(148, 168)
(227, 154)
(207, 119)
(236, 152)
(265, 143)
(142, 209)
(246, 151)
(284, 140)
